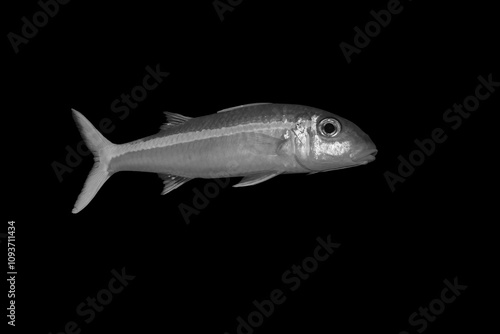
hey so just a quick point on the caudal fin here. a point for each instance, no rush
(101, 148)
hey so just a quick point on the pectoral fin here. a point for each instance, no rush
(256, 179)
(172, 182)
(262, 144)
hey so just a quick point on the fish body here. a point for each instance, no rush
(256, 141)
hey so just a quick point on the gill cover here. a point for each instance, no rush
(324, 142)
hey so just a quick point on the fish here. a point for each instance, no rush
(257, 141)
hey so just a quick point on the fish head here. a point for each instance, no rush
(325, 141)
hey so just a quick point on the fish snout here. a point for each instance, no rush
(365, 153)
(365, 157)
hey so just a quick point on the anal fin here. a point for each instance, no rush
(256, 179)
(172, 182)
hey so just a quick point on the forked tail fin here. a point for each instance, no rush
(101, 148)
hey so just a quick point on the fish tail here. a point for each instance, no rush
(101, 148)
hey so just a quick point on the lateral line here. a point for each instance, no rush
(187, 137)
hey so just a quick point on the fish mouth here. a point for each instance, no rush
(365, 157)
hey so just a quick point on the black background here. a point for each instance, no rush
(396, 247)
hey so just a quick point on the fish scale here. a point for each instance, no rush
(250, 150)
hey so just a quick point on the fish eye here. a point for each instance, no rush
(329, 127)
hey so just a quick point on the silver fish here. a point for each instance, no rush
(257, 141)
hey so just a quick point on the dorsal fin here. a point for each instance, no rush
(244, 105)
(174, 119)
